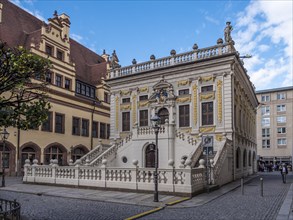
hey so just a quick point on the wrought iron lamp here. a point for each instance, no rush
(156, 124)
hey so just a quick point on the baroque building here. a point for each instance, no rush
(79, 118)
(204, 92)
(274, 125)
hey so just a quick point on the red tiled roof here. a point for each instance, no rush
(20, 28)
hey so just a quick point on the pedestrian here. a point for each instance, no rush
(284, 172)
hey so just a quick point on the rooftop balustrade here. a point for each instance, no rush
(175, 59)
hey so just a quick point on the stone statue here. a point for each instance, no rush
(227, 32)
(114, 60)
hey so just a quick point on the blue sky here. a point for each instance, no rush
(138, 29)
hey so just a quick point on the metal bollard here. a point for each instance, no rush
(261, 187)
(242, 187)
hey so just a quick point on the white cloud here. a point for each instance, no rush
(212, 20)
(76, 37)
(35, 13)
(264, 29)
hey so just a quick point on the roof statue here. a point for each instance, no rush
(114, 60)
(227, 32)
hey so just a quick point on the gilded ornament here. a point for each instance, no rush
(134, 109)
(183, 83)
(184, 99)
(219, 97)
(143, 104)
(125, 107)
(207, 78)
(207, 96)
(143, 89)
(125, 92)
(219, 137)
(206, 129)
(194, 89)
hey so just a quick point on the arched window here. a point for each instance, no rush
(249, 158)
(5, 155)
(238, 155)
(77, 153)
(27, 153)
(150, 153)
(54, 152)
(163, 114)
(244, 158)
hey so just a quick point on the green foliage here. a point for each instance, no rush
(23, 99)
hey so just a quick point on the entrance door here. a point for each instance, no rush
(150, 154)
(163, 114)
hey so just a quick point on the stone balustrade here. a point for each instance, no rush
(185, 181)
(90, 156)
(191, 56)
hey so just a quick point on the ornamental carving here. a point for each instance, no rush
(219, 137)
(117, 112)
(219, 99)
(162, 91)
(143, 104)
(183, 83)
(194, 90)
(207, 78)
(183, 99)
(207, 96)
(143, 89)
(125, 92)
(134, 109)
(206, 129)
(125, 107)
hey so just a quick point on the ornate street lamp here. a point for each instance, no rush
(156, 124)
(4, 136)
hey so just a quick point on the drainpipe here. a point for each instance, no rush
(233, 117)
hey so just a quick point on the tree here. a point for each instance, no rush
(23, 90)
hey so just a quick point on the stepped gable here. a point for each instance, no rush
(20, 28)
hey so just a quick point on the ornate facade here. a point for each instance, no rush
(79, 116)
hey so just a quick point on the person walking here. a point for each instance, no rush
(284, 172)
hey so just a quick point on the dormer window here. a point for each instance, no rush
(59, 55)
(49, 50)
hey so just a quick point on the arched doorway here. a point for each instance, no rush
(27, 153)
(163, 114)
(150, 155)
(78, 152)
(7, 157)
(55, 151)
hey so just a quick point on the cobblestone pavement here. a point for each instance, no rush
(35, 207)
(250, 206)
(233, 205)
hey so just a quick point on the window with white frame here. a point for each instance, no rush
(265, 110)
(281, 119)
(265, 132)
(281, 108)
(282, 141)
(281, 130)
(265, 98)
(265, 122)
(266, 143)
(281, 96)
(183, 92)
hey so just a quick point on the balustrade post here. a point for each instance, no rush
(104, 170)
(172, 61)
(27, 164)
(135, 163)
(152, 65)
(76, 173)
(195, 54)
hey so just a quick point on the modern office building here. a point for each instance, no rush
(275, 125)
(79, 97)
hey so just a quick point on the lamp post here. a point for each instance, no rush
(156, 122)
(4, 136)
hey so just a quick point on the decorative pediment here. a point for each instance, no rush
(162, 91)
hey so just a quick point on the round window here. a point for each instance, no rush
(124, 159)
